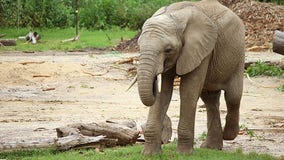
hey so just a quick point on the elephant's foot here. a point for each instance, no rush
(185, 149)
(212, 145)
(152, 149)
(231, 130)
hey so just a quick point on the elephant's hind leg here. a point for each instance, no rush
(214, 138)
(233, 95)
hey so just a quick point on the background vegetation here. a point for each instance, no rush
(93, 14)
(261, 68)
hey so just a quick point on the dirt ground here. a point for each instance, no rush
(70, 87)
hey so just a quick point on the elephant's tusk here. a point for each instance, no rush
(132, 83)
(159, 79)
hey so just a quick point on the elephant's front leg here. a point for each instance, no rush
(157, 114)
(190, 90)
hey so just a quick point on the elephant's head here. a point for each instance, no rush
(180, 38)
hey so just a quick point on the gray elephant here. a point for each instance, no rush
(203, 43)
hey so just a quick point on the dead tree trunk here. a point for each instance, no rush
(8, 42)
(278, 42)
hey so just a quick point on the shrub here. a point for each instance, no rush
(35, 13)
(93, 14)
(260, 68)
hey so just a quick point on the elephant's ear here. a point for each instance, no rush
(199, 38)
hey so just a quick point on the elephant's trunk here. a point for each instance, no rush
(146, 78)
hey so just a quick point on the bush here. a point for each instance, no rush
(35, 13)
(261, 68)
(93, 14)
(102, 14)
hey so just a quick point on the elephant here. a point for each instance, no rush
(203, 43)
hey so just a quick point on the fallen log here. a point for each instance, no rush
(8, 42)
(23, 145)
(78, 136)
(123, 134)
(79, 141)
(278, 42)
(128, 123)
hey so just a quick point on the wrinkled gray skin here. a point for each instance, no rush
(203, 43)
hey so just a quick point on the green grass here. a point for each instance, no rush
(132, 153)
(51, 39)
(281, 88)
(260, 68)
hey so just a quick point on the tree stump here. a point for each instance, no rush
(278, 42)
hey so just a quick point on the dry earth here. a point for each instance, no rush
(87, 87)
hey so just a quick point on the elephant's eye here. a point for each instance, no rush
(168, 49)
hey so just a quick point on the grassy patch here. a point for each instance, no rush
(132, 153)
(261, 68)
(51, 39)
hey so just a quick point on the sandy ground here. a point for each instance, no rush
(89, 87)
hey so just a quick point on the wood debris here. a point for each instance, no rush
(71, 39)
(260, 19)
(48, 89)
(41, 76)
(96, 74)
(96, 135)
(31, 62)
(80, 135)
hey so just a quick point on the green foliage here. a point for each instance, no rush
(250, 132)
(132, 153)
(281, 88)
(260, 68)
(51, 39)
(93, 14)
(101, 14)
(203, 136)
(35, 13)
